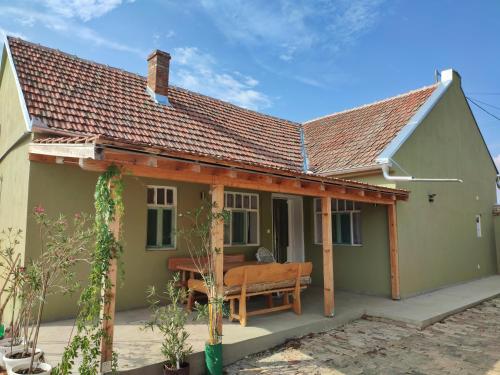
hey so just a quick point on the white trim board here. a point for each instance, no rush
(390, 150)
(20, 94)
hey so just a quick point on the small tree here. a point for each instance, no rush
(10, 265)
(196, 233)
(170, 319)
(62, 246)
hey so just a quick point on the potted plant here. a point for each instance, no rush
(169, 317)
(196, 232)
(62, 246)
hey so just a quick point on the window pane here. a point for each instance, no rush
(334, 204)
(167, 227)
(335, 228)
(318, 233)
(253, 202)
(252, 227)
(230, 201)
(349, 205)
(356, 228)
(227, 229)
(238, 201)
(170, 196)
(317, 205)
(345, 228)
(151, 196)
(160, 196)
(246, 201)
(238, 227)
(152, 227)
(341, 205)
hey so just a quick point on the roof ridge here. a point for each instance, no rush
(69, 55)
(372, 103)
(51, 49)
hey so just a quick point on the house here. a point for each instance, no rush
(293, 188)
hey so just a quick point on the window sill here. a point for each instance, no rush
(242, 245)
(160, 249)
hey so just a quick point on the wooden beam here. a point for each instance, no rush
(168, 170)
(83, 150)
(110, 299)
(217, 243)
(393, 250)
(328, 282)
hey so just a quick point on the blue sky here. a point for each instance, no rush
(293, 59)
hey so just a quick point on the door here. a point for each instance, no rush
(288, 228)
(280, 229)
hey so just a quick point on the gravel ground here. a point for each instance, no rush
(465, 343)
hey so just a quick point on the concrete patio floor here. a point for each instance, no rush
(139, 350)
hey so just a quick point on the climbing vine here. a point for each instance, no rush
(86, 342)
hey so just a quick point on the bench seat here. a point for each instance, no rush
(262, 279)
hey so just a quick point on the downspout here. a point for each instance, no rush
(387, 176)
(14, 145)
(305, 159)
(498, 181)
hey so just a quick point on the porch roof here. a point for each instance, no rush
(96, 154)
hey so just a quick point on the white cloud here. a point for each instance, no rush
(83, 9)
(64, 26)
(293, 27)
(497, 161)
(4, 32)
(197, 71)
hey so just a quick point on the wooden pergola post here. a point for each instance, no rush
(108, 312)
(328, 284)
(217, 241)
(393, 250)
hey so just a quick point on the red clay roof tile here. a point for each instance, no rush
(354, 138)
(81, 97)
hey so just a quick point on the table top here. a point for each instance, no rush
(191, 267)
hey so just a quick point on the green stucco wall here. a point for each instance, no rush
(14, 168)
(496, 224)
(438, 245)
(363, 269)
(69, 190)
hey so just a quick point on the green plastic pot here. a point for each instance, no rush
(213, 359)
(2, 331)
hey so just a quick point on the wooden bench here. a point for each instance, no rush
(174, 261)
(262, 279)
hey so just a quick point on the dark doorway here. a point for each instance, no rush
(280, 229)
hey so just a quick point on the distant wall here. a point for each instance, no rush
(67, 190)
(438, 245)
(363, 269)
(496, 224)
(14, 168)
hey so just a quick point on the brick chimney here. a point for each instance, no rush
(158, 69)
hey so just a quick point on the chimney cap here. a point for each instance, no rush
(450, 75)
(158, 52)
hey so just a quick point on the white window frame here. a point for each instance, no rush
(245, 210)
(336, 212)
(173, 207)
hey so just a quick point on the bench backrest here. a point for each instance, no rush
(174, 261)
(266, 273)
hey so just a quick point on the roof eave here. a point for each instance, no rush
(20, 93)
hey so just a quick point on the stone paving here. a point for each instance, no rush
(465, 343)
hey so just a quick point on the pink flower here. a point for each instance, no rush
(39, 209)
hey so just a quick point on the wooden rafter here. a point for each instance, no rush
(175, 170)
